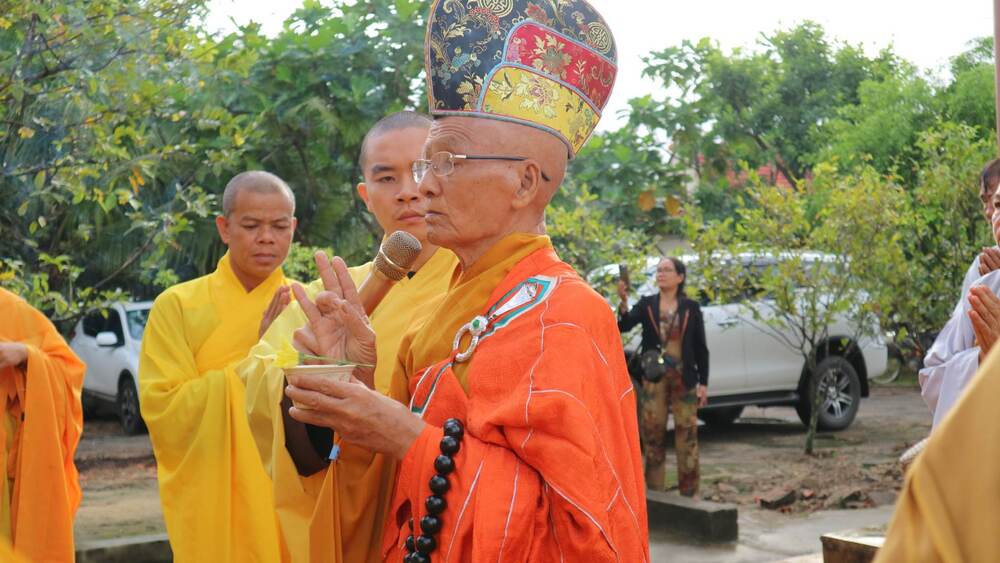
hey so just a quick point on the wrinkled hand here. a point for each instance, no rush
(282, 297)
(989, 260)
(338, 327)
(359, 414)
(985, 317)
(12, 354)
(702, 392)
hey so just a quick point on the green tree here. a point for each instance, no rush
(762, 107)
(970, 96)
(110, 134)
(632, 179)
(762, 259)
(884, 126)
(316, 89)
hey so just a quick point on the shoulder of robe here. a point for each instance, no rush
(183, 292)
(574, 301)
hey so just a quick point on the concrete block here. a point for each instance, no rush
(700, 519)
(854, 546)
(148, 549)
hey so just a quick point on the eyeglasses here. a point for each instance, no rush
(443, 163)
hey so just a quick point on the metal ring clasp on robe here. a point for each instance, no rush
(475, 328)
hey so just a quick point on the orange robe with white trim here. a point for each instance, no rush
(549, 467)
(40, 424)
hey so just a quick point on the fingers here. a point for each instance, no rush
(308, 307)
(985, 334)
(305, 341)
(327, 273)
(989, 260)
(347, 289)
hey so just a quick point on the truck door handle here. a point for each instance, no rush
(731, 321)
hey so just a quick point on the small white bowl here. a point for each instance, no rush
(337, 372)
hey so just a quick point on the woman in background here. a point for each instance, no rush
(674, 373)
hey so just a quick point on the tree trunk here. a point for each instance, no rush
(817, 402)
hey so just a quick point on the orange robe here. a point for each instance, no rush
(41, 406)
(549, 467)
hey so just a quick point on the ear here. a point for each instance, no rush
(531, 183)
(295, 223)
(363, 194)
(222, 225)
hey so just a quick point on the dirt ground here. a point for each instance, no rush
(760, 459)
(757, 460)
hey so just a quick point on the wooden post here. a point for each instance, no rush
(996, 62)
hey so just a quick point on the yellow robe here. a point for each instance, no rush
(349, 499)
(40, 425)
(216, 496)
(948, 509)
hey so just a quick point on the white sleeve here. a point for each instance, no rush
(953, 360)
(948, 360)
(971, 275)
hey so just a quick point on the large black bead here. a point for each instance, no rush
(444, 464)
(426, 544)
(453, 427)
(418, 557)
(439, 485)
(410, 546)
(450, 445)
(435, 505)
(430, 524)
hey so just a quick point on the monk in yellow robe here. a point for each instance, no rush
(519, 441)
(40, 424)
(216, 497)
(948, 509)
(333, 512)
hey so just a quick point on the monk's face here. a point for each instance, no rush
(389, 191)
(258, 231)
(480, 201)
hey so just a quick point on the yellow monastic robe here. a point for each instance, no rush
(216, 496)
(40, 425)
(948, 509)
(348, 500)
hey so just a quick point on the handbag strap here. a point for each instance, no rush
(656, 325)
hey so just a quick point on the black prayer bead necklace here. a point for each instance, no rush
(419, 549)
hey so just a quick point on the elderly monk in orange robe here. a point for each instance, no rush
(40, 424)
(519, 441)
(216, 496)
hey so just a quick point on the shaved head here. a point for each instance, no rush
(256, 181)
(392, 122)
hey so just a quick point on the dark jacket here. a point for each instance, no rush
(693, 345)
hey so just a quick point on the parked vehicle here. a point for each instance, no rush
(750, 366)
(109, 342)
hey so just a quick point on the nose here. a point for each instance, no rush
(409, 191)
(429, 185)
(266, 235)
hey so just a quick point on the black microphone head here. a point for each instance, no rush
(397, 254)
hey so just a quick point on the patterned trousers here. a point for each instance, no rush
(656, 399)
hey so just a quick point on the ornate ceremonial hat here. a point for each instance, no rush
(549, 64)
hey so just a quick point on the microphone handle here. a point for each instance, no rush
(373, 289)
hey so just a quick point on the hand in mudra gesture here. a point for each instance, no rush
(338, 327)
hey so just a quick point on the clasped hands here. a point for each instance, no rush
(985, 318)
(338, 328)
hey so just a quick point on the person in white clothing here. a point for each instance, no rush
(975, 322)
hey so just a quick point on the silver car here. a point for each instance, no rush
(109, 342)
(749, 366)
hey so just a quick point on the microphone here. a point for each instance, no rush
(392, 263)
